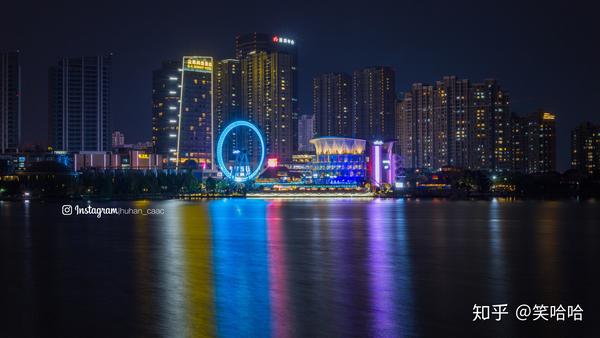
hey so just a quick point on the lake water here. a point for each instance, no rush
(298, 268)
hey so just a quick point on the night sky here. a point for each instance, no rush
(546, 55)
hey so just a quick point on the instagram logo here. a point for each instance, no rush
(67, 209)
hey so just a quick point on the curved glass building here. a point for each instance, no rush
(339, 160)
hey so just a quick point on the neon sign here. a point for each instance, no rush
(279, 39)
(198, 63)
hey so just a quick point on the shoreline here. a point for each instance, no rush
(365, 196)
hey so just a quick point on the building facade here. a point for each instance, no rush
(270, 91)
(195, 139)
(228, 107)
(373, 101)
(182, 112)
(416, 132)
(166, 89)
(306, 132)
(585, 148)
(541, 142)
(228, 103)
(490, 124)
(450, 122)
(10, 102)
(79, 109)
(405, 131)
(339, 160)
(332, 98)
(455, 123)
(519, 143)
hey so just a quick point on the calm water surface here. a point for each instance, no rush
(316, 268)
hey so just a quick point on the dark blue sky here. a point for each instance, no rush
(546, 54)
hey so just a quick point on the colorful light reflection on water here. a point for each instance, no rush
(316, 268)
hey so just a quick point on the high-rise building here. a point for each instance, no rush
(455, 123)
(306, 132)
(519, 143)
(451, 122)
(490, 123)
(585, 148)
(79, 109)
(195, 124)
(416, 127)
(10, 102)
(541, 132)
(228, 107)
(405, 131)
(373, 100)
(228, 103)
(269, 90)
(166, 89)
(182, 112)
(332, 99)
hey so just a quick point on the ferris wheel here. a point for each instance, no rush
(247, 163)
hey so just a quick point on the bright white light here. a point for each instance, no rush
(172, 108)
(172, 135)
(172, 121)
(172, 78)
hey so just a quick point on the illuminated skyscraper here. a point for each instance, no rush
(79, 110)
(585, 148)
(490, 127)
(332, 99)
(373, 99)
(519, 143)
(228, 98)
(184, 86)
(416, 131)
(10, 102)
(166, 89)
(228, 102)
(195, 125)
(269, 90)
(455, 123)
(451, 122)
(541, 131)
(405, 131)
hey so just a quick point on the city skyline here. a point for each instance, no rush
(452, 123)
(534, 66)
(391, 168)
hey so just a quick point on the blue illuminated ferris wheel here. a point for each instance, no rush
(244, 168)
